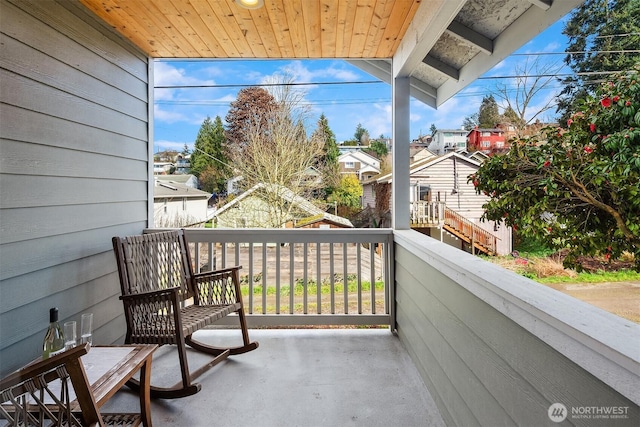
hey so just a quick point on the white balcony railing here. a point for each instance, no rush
(304, 276)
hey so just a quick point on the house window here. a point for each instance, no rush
(349, 165)
(486, 133)
(485, 144)
(499, 144)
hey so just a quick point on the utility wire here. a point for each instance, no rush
(265, 85)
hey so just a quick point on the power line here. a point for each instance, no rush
(576, 52)
(520, 76)
(265, 85)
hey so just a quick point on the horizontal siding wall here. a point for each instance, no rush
(480, 363)
(74, 169)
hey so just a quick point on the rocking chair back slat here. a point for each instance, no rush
(157, 261)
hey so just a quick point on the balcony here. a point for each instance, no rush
(474, 344)
(299, 377)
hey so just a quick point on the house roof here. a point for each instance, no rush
(441, 45)
(300, 202)
(174, 189)
(361, 156)
(180, 179)
(428, 162)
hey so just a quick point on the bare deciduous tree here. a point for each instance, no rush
(517, 98)
(278, 154)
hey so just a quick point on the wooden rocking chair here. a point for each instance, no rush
(165, 302)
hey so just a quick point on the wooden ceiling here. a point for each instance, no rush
(356, 29)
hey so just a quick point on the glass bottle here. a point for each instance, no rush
(54, 339)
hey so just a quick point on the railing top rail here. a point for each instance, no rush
(289, 235)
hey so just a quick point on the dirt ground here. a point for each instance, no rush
(620, 298)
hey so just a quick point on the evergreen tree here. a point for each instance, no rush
(604, 36)
(327, 162)
(488, 115)
(209, 154)
(361, 136)
(433, 129)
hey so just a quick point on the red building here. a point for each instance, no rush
(488, 141)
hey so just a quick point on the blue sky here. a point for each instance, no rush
(180, 112)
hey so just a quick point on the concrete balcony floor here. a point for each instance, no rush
(297, 377)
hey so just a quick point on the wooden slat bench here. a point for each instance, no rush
(165, 302)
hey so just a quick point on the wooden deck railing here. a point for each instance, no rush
(466, 230)
(305, 276)
(436, 214)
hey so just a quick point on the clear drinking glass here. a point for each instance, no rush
(69, 333)
(86, 328)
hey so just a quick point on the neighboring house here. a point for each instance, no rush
(177, 205)
(444, 179)
(488, 141)
(357, 162)
(187, 180)
(233, 185)
(478, 156)
(161, 168)
(183, 164)
(252, 210)
(447, 140)
(421, 154)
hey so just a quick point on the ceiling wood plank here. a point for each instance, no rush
(221, 39)
(280, 26)
(178, 18)
(246, 20)
(171, 40)
(364, 14)
(390, 36)
(311, 14)
(208, 44)
(328, 28)
(293, 11)
(344, 30)
(379, 20)
(113, 14)
(229, 22)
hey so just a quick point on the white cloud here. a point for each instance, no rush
(168, 116)
(171, 145)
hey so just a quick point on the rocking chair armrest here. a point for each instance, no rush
(217, 272)
(168, 294)
(218, 287)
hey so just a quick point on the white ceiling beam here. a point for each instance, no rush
(378, 68)
(526, 27)
(381, 69)
(431, 19)
(470, 37)
(423, 92)
(444, 69)
(542, 4)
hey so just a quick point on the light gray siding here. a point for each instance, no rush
(74, 169)
(497, 349)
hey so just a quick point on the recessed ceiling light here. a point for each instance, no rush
(250, 4)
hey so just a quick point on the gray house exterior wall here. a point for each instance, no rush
(74, 108)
